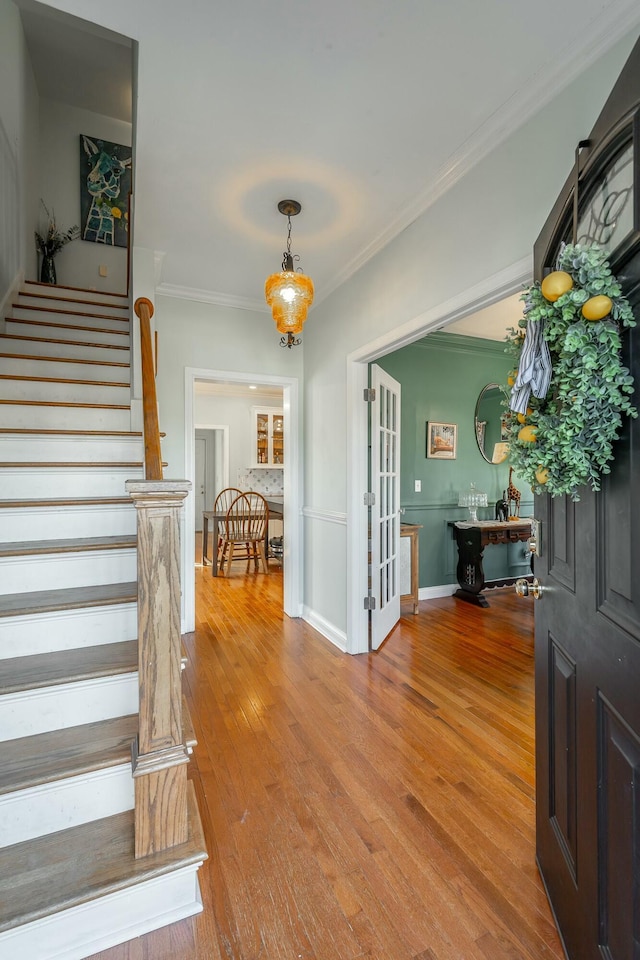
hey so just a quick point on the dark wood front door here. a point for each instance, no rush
(588, 617)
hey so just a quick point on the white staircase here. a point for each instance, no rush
(69, 883)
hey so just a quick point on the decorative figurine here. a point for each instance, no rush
(513, 495)
(502, 507)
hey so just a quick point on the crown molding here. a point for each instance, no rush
(600, 35)
(210, 296)
(461, 343)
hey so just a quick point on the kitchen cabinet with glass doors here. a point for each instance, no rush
(268, 436)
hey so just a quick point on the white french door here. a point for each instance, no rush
(385, 508)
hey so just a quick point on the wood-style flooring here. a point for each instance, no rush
(378, 806)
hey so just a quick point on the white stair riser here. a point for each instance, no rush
(106, 921)
(58, 571)
(62, 369)
(63, 418)
(55, 806)
(97, 334)
(39, 523)
(55, 293)
(67, 392)
(74, 318)
(25, 301)
(65, 705)
(67, 629)
(19, 483)
(48, 448)
(45, 348)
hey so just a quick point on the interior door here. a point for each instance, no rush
(587, 631)
(385, 508)
(200, 478)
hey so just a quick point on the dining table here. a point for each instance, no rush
(213, 518)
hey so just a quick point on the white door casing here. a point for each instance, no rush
(385, 509)
(200, 479)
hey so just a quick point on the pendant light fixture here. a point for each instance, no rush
(289, 293)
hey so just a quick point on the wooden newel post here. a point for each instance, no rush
(159, 755)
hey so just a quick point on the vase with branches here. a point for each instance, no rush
(50, 242)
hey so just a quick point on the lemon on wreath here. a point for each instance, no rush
(511, 378)
(542, 475)
(555, 285)
(522, 417)
(527, 434)
(597, 308)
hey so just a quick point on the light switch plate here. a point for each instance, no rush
(417, 486)
(102, 270)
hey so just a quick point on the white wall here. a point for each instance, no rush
(205, 336)
(234, 412)
(487, 221)
(18, 150)
(59, 151)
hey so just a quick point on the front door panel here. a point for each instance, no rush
(588, 618)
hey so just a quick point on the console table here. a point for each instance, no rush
(471, 538)
(409, 565)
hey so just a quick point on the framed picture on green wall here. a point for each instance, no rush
(442, 440)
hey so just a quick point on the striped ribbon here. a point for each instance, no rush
(534, 371)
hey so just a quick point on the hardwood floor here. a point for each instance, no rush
(378, 806)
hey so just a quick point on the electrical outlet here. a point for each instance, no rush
(102, 270)
(417, 486)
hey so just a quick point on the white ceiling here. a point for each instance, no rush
(364, 111)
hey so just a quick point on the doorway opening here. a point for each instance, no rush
(207, 394)
(494, 289)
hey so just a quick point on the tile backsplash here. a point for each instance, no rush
(262, 481)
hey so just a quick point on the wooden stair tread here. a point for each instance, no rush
(67, 666)
(74, 343)
(71, 545)
(90, 383)
(95, 363)
(78, 464)
(67, 403)
(65, 502)
(59, 754)
(34, 431)
(65, 286)
(72, 313)
(71, 598)
(62, 870)
(67, 326)
(47, 296)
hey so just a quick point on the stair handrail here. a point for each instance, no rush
(152, 454)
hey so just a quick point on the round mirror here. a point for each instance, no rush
(488, 423)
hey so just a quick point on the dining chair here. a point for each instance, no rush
(245, 525)
(221, 504)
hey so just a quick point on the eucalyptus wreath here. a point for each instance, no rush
(565, 440)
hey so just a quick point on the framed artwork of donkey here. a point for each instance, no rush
(105, 184)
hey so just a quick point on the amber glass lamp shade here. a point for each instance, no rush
(289, 294)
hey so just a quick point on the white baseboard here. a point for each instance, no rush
(107, 921)
(327, 629)
(434, 593)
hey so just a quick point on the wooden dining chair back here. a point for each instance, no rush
(221, 504)
(245, 527)
(225, 498)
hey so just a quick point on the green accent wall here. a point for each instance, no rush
(442, 376)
